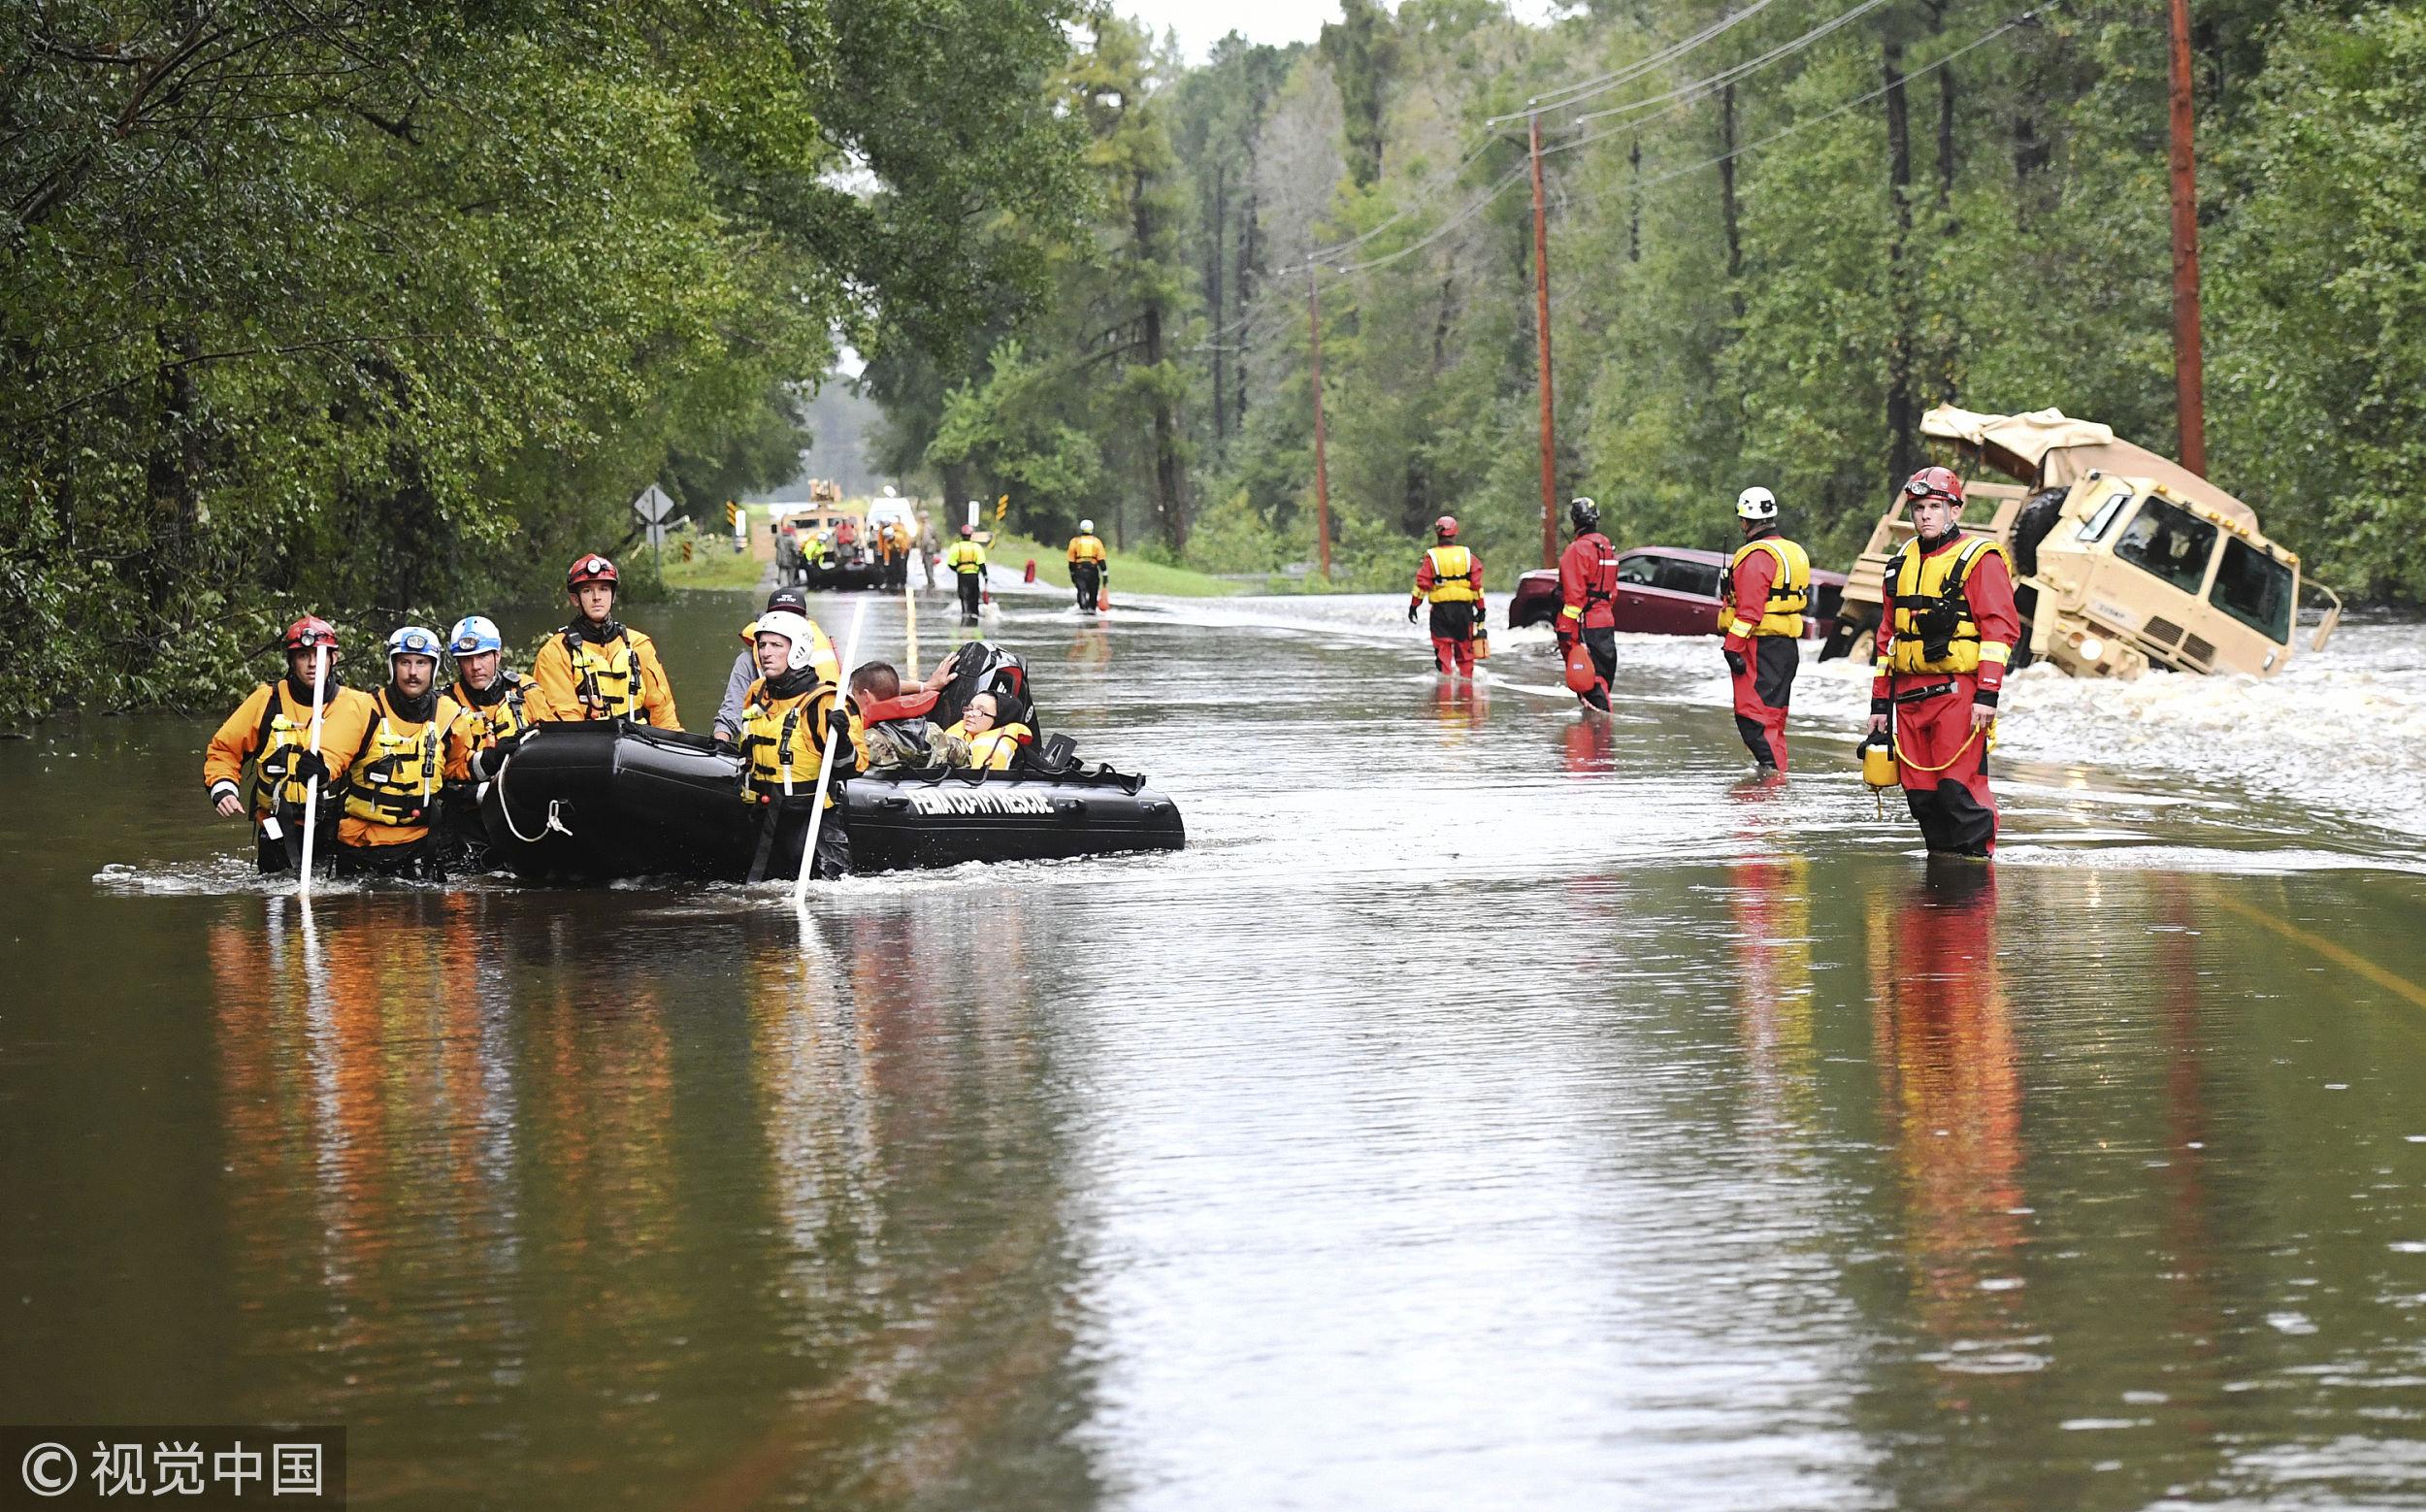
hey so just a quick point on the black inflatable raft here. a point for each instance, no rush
(846, 576)
(600, 800)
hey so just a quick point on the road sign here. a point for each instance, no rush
(652, 504)
(656, 537)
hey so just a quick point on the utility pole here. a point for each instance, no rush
(1322, 477)
(1541, 323)
(2189, 366)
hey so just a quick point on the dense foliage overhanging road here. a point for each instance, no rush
(378, 309)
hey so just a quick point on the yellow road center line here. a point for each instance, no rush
(2340, 956)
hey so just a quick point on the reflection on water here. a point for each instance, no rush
(1951, 1090)
(1492, 1106)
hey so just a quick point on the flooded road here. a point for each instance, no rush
(1487, 1108)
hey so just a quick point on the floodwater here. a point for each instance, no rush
(1488, 1109)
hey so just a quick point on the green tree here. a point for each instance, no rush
(2319, 299)
(370, 308)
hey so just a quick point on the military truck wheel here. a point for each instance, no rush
(2031, 525)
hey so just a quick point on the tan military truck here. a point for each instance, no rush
(2122, 560)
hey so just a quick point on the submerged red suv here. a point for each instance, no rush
(1666, 591)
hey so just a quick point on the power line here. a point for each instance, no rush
(1326, 254)
(1602, 84)
(2025, 19)
(1476, 207)
(1515, 176)
(1272, 317)
(1723, 77)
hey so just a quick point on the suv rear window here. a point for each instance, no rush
(1669, 574)
(1699, 578)
(2169, 542)
(2254, 589)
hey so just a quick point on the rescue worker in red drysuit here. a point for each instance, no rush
(1588, 614)
(1767, 589)
(1946, 631)
(1451, 576)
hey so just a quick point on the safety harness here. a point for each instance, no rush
(1942, 628)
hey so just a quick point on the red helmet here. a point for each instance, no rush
(1933, 482)
(589, 568)
(968, 530)
(1446, 527)
(310, 631)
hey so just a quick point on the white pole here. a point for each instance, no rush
(311, 789)
(909, 619)
(824, 764)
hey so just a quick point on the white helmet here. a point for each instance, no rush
(1756, 503)
(1086, 527)
(795, 629)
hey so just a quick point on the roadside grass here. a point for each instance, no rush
(1130, 574)
(713, 563)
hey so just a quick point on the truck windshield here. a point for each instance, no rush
(2255, 589)
(2170, 542)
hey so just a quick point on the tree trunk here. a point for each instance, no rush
(2031, 152)
(1168, 502)
(1946, 149)
(954, 510)
(1440, 327)
(173, 475)
(1221, 339)
(1247, 266)
(1943, 363)
(1634, 205)
(1169, 510)
(1901, 420)
(1727, 199)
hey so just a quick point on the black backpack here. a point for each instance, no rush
(986, 668)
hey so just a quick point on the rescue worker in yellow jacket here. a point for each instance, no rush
(271, 730)
(495, 702)
(987, 735)
(786, 719)
(728, 723)
(1762, 601)
(495, 696)
(967, 561)
(1449, 577)
(892, 544)
(1090, 567)
(595, 668)
(419, 740)
(1947, 629)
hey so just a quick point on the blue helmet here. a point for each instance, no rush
(473, 634)
(413, 641)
